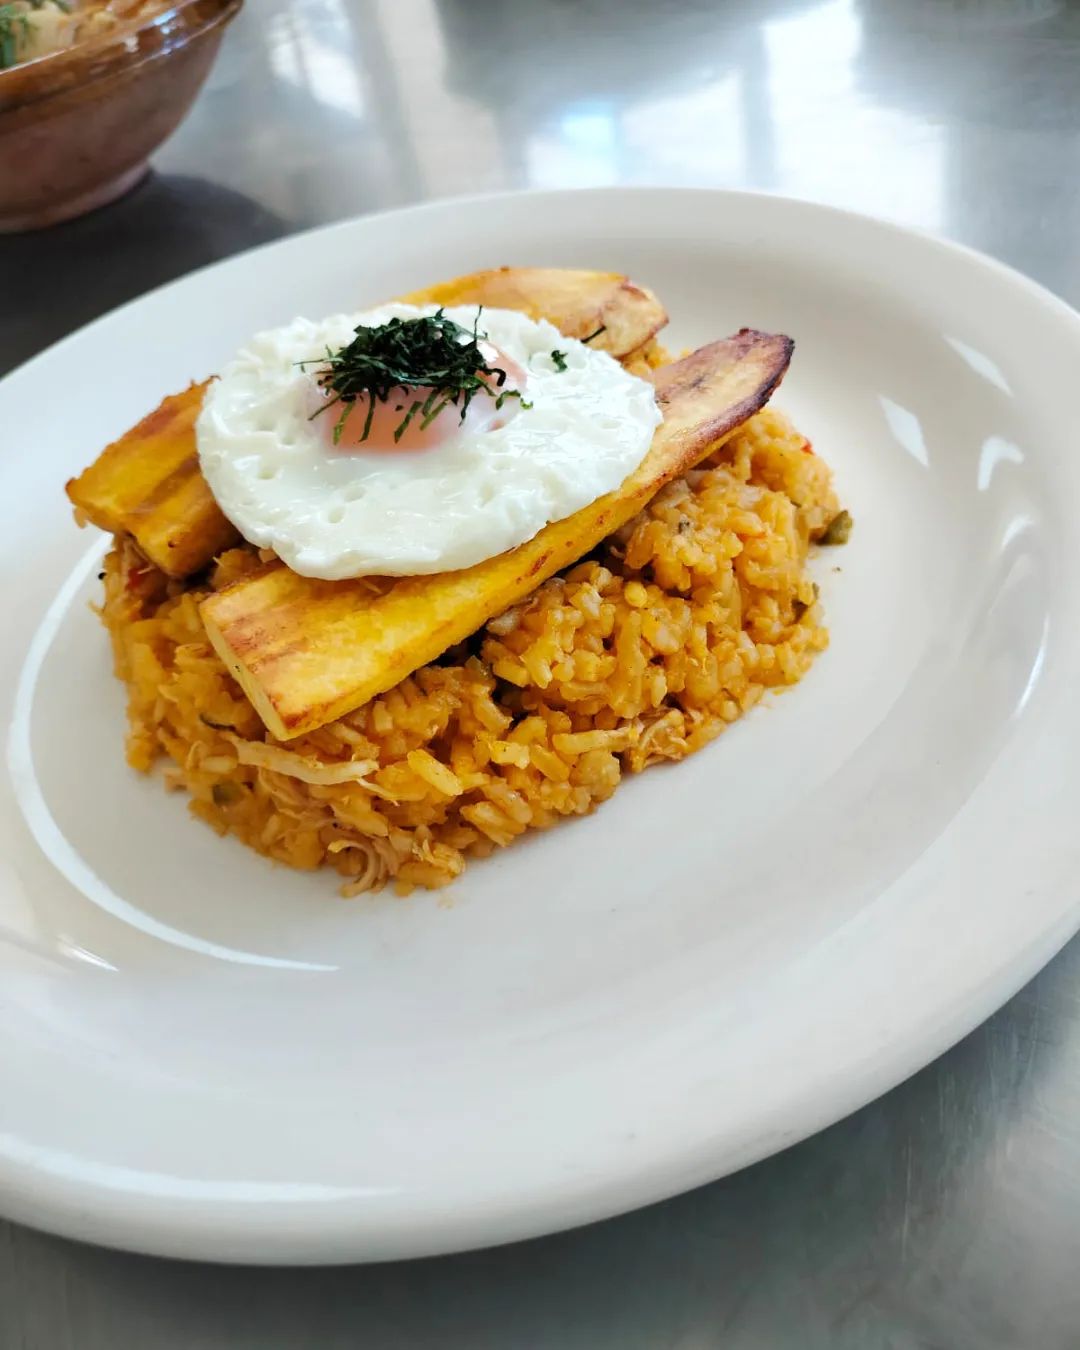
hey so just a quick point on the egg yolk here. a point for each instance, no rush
(346, 435)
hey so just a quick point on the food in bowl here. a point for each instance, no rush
(399, 586)
(79, 121)
(33, 28)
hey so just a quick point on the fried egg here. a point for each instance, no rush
(570, 426)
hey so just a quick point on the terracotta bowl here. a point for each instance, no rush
(77, 126)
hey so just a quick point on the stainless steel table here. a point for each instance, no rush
(946, 1215)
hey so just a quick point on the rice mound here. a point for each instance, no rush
(644, 651)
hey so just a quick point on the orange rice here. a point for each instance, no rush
(645, 651)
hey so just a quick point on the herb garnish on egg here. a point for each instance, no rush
(432, 353)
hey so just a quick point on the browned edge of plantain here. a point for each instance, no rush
(613, 313)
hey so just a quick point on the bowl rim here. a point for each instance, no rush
(122, 50)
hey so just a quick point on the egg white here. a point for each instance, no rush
(337, 515)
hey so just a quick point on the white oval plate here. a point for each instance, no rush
(206, 1056)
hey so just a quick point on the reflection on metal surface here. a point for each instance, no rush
(584, 149)
(406, 56)
(317, 57)
(829, 143)
(710, 126)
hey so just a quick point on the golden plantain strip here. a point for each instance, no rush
(577, 303)
(148, 484)
(306, 652)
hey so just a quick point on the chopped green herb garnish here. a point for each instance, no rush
(560, 361)
(601, 329)
(432, 353)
